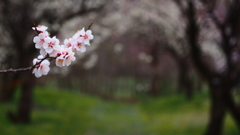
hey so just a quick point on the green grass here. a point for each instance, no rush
(71, 113)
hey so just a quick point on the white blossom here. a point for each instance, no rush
(41, 68)
(51, 44)
(65, 57)
(69, 42)
(87, 36)
(69, 57)
(79, 45)
(40, 28)
(40, 40)
(59, 61)
(42, 51)
(50, 49)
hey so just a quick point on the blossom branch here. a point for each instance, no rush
(16, 70)
(51, 49)
(27, 68)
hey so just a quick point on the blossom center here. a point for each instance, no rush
(37, 66)
(85, 36)
(39, 31)
(79, 45)
(69, 44)
(50, 44)
(60, 60)
(42, 41)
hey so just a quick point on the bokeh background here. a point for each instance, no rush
(155, 67)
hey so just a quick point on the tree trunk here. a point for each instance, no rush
(217, 110)
(189, 88)
(25, 104)
(233, 109)
(181, 77)
(198, 84)
(185, 84)
(4, 88)
(154, 65)
(9, 84)
(154, 85)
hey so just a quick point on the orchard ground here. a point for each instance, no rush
(60, 112)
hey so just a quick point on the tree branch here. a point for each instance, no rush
(180, 5)
(79, 13)
(192, 33)
(27, 68)
(49, 17)
(15, 70)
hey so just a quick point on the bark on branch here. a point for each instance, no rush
(27, 68)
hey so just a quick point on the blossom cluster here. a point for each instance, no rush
(50, 48)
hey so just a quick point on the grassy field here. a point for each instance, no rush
(70, 113)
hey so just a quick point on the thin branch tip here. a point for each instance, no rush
(90, 25)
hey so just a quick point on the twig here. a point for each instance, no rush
(16, 70)
(90, 25)
(28, 68)
(34, 25)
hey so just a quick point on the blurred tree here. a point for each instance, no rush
(185, 82)
(224, 15)
(154, 89)
(15, 22)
